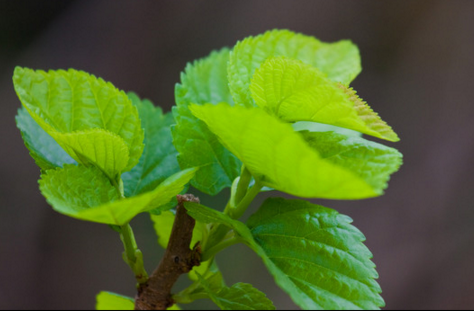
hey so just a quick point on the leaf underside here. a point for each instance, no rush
(43, 148)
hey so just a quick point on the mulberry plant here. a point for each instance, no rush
(274, 113)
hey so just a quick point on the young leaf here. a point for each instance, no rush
(98, 147)
(82, 113)
(122, 211)
(240, 296)
(112, 301)
(204, 81)
(158, 160)
(43, 148)
(295, 91)
(163, 224)
(322, 264)
(73, 189)
(86, 193)
(279, 157)
(371, 161)
(340, 61)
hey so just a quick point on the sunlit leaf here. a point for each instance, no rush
(279, 157)
(79, 111)
(295, 91)
(340, 61)
(112, 301)
(86, 193)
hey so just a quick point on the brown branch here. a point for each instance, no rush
(178, 259)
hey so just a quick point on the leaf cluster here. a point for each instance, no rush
(275, 112)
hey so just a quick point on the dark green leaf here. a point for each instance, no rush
(204, 81)
(158, 160)
(316, 255)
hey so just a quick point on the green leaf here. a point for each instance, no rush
(208, 215)
(112, 301)
(372, 162)
(86, 193)
(279, 157)
(316, 255)
(340, 61)
(88, 117)
(295, 91)
(121, 212)
(204, 81)
(74, 189)
(98, 147)
(163, 224)
(43, 148)
(158, 160)
(313, 252)
(240, 296)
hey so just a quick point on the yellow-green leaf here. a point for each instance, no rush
(86, 193)
(74, 107)
(340, 61)
(278, 156)
(294, 91)
(112, 301)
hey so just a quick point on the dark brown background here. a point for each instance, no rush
(418, 74)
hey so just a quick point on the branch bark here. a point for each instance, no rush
(179, 258)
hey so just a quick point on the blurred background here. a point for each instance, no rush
(418, 59)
